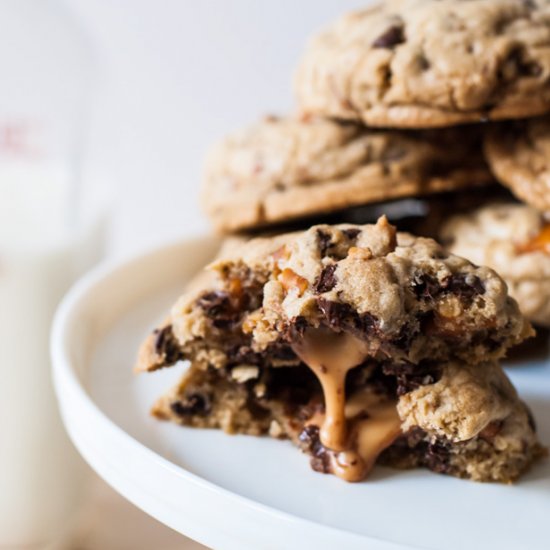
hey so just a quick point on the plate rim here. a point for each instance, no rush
(71, 393)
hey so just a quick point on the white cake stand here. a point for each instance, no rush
(243, 492)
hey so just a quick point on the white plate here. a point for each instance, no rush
(244, 492)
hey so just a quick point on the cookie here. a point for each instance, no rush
(514, 240)
(315, 305)
(519, 156)
(430, 63)
(283, 169)
(457, 420)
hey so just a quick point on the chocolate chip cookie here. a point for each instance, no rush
(519, 156)
(514, 240)
(286, 168)
(428, 63)
(453, 419)
(333, 325)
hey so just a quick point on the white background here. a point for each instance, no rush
(175, 75)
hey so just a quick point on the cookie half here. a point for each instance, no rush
(514, 240)
(454, 419)
(325, 302)
(519, 156)
(282, 169)
(430, 63)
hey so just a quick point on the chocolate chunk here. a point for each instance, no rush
(466, 286)
(167, 346)
(214, 303)
(437, 456)
(293, 386)
(408, 333)
(195, 404)
(245, 355)
(325, 240)
(342, 317)
(375, 379)
(218, 307)
(516, 65)
(352, 233)
(410, 377)
(311, 443)
(296, 330)
(415, 436)
(426, 287)
(431, 453)
(391, 37)
(327, 280)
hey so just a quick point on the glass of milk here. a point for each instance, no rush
(46, 241)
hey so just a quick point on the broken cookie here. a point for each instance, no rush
(340, 338)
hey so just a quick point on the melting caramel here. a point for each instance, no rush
(330, 356)
(356, 431)
(373, 425)
(539, 243)
(371, 435)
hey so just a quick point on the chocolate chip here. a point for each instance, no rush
(437, 457)
(311, 443)
(324, 239)
(340, 317)
(431, 453)
(214, 303)
(410, 377)
(293, 386)
(415, 436)
(351, 233)
(391, 37)
(517, 65)
(194, 404)
(309, 436)
(425, 287)
(296, 329)
(167, 346)
(326, 280)
(218, 307)
(466, 286)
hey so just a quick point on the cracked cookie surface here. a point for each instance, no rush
(285, 168)
(404, 295)
(427, 63)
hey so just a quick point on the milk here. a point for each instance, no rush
(41, 253)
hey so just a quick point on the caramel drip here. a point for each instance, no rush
(373, 426)
(353, 432)
(539, 243)
(374, 434)
(331, 356)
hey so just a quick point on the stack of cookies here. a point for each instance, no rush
(358, 342)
